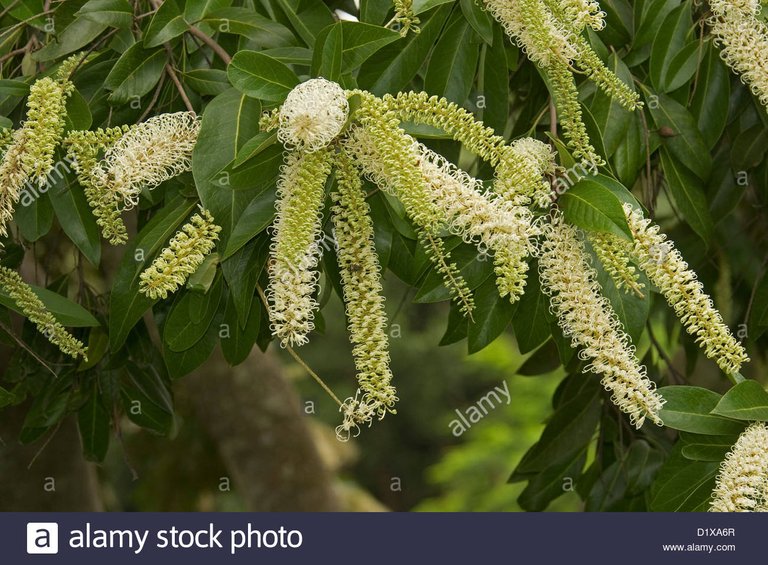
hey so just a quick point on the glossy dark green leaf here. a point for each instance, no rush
(254, 146)
(68, 313)
(307, 18)
(697, 447)
(34, 213)
(632, 310)
(688, 408)
(747, 400)
(492, 315)
(611, 118)
(242, 271)
(146, 399)
(75, 218)
(474, 267)
(480, 20)
(327, 60)
(710, 99)
(237, 341)
(74, 36)
(50, 406)
(496, 83)
(683, 485)
(167, 23)
(749, 148)
(592, 206)
(688, 195)
(260, 76)
(190, 317)
(531, 322)
(114, 13)
(452, 73)
(244, 21)
(670, 39)
(207, 81)
(93, 421)
(135, 73)
(182, 363)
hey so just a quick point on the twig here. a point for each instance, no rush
(42, 447)
(663, 354)
(155, 97)
(210, 42)
(26, 348)
(179, 87)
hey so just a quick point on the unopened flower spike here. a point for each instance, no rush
(405, 18)
(312, 115)
(587, 318)
(742, 483)
(148, 154)
(615, 254)
(387, 157)
(667, 270)
(295, 250)
(34, 309)
(29, 157)
(363, 298)
(83, 150)
(743, 40)
(185, 253)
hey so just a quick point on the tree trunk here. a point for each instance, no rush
(254, 417)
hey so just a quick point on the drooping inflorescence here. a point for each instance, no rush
(549, 32)
(588, 319)
(743, 39)
(184, 254)
(742, 484)
(34, 309)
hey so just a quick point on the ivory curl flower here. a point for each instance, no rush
(295, 250)
(312, 115)
(360, 277)
(184, 254)
(33, 308)
(743, 39)
(147, 154)
(666, 269)
(742, 484)
(83, 150)
(587, 318)
(29, 157)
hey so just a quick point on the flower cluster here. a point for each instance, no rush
(29, 156)
(587, 318)
(147, 155)
(549, 32)
(615, 254)
(742, 484)
(405, 18)
(34, 309)
(313, 114)
(743, 38)
(667, 270)
(185, 253)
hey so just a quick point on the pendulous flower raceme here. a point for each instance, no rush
(185, 253)
(34, 309)
(667, 270)
(742, 484)
(743, 39)
(587, 318)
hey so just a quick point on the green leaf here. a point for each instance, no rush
(452, 73)
(195, 10)
(76, 219)
(492, 315)
(496, 83)
(126, 304)
(710, 99)
(749, 147)
(358, 41)
(93, 421)
(190, 317)
(474, 268)
(421, 6)
(184, 362)
(685, 141)
(632, 310)
(393, 67)
(611, 118)
(242, 271)
(135, 73)
(328, 54)
(260, 76)
(78, 113)
(229, 121)
(254, 146)
(688, 195)
(698, 447)
(68, 313)
(34, 214)
(50, 406)
(207, 81)
(167, 23)
(114, 13)
(237, 344)
(592, 206)
(669, 41)
(147, 399)
(309, 20)
(74, 36)
(683, 485)
(531, 321)
(480, 20)
(747, 400)
(258, 29)
(688, 408)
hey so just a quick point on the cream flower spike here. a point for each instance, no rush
(34, 309)
(742, 484)
(744, 41)
(148, 154)
(295, 250)
(313, 114)
(587, 318)
(666, 269)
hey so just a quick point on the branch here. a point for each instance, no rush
(210, 42)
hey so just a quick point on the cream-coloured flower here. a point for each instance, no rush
(34, 309)
(185, 253)
(360, 277)
(742, 484)
(743, 39)
(295, 250)
(587, 318)
(148, 154)
(667, 270)
(615, 254)
(355, 412)
(312, 115)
